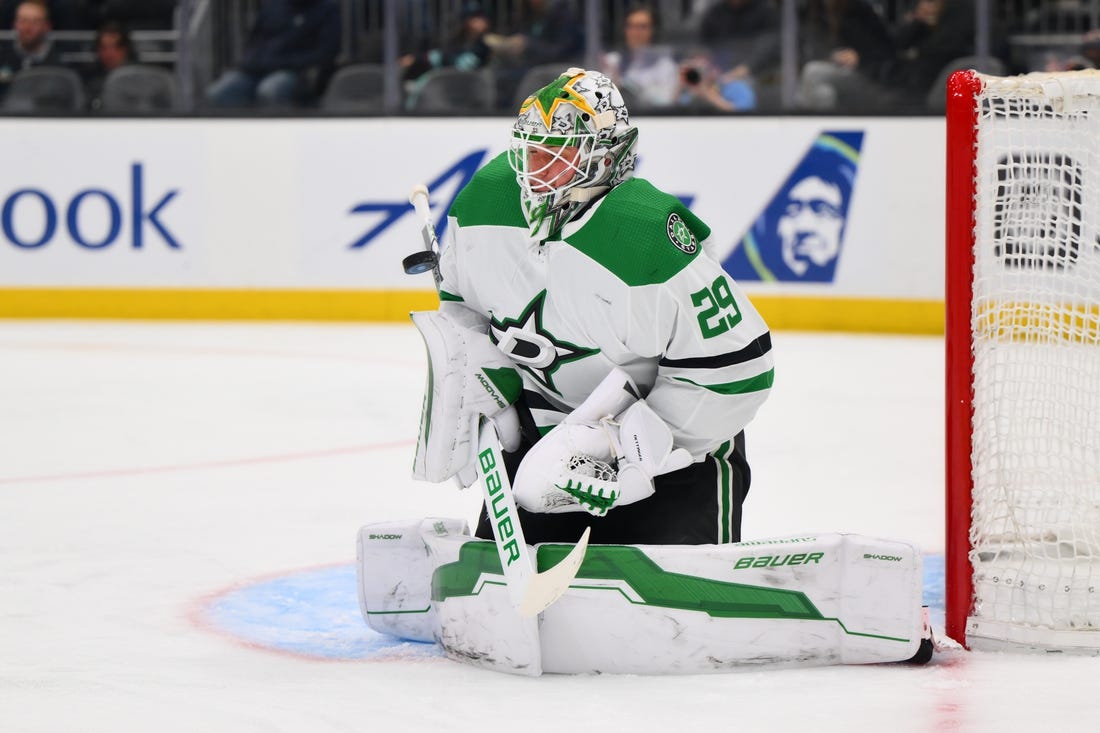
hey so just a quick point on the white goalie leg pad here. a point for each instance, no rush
(394, 575)
(829, 599)
(467, 377)
(475, 620)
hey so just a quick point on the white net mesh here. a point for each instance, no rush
(1035, 533)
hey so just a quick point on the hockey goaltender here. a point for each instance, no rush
(593, 368)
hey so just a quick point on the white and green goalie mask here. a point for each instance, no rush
(571, 144)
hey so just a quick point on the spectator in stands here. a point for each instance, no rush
(547, 31)
(933, 34)
(703, 87)
(744, 36)
(646, 73)
(465, 49)
(31, 46)
(64, 14)
(289, 54)
(848, 45)
(113, 49)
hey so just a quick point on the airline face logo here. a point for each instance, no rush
(799, 236)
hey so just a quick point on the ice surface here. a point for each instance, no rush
(179, 502)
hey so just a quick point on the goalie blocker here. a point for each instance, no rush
(650, 609)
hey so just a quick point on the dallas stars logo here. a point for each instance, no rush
(680, 235)
(556, 93)
(532, 347)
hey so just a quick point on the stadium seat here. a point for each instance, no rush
(45, 89)
(454, 91)
(356, 88)
(141, 89)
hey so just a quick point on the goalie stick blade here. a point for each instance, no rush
(548, 586)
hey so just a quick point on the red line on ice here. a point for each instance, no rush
(206, 465)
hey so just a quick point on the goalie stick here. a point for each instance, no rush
(530, 591)
(428, 258)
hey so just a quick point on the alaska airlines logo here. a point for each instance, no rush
(800, 234)
(392, 211)
(531, 347)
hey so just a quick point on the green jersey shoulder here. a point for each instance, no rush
(490, 198)
(641, 234)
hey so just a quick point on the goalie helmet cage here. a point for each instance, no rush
(1023, 361)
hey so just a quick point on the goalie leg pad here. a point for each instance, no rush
(394, 576)
(476, 621)
(802, 601)
(649, 609)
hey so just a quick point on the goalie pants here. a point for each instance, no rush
(697, 505)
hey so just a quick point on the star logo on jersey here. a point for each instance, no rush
(531, 347)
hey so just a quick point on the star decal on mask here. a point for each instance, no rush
(532, 347)
(558, 92)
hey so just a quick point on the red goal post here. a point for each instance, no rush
(1023, 361)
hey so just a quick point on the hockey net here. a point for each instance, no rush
(1023, 361)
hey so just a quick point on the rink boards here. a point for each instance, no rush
(308, 218)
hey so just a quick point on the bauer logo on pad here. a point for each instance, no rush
(799, 236)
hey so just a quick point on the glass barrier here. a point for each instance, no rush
(470, 57)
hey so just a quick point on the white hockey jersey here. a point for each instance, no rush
(627, 284)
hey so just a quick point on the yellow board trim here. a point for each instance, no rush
(220, 304)
(781, 313)
(867, 315)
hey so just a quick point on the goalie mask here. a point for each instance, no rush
(571, 144)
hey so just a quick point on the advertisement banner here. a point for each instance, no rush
(799, 207)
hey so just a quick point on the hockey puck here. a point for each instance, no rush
(419, 262)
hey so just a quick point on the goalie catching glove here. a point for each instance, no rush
(604, 454)
(467, 377)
